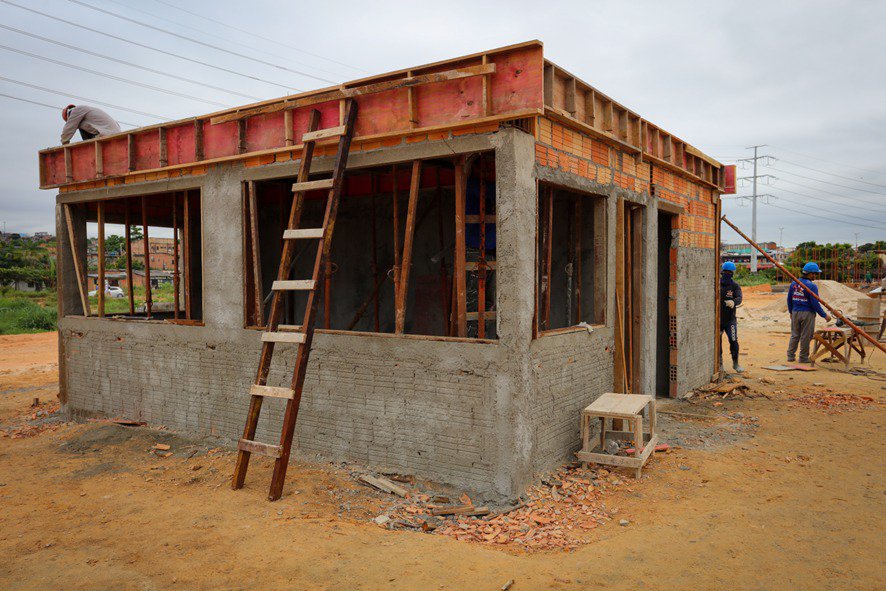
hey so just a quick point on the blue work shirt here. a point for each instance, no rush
(800, 301)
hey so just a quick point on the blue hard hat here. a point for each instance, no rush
(811, 267)
(729, 266)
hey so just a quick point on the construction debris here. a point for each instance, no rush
(382, 484)
(834, 403)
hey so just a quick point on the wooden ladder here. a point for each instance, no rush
(302, 335)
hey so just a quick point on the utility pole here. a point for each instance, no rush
(754, 197)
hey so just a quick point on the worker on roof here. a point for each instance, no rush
(803, 307)
(91, 122)
(730, 299)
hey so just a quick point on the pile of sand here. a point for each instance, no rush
(839, 296)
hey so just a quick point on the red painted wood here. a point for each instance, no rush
(180, 144)
(147, 150)
(220, 140)
(115, 156)
(83, 161)
(264, 132)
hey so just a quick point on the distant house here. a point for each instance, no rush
(119, 279)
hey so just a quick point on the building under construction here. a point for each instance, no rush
(509, 244)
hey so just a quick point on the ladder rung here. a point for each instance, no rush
(288, 327)
(475, 219)
(273, 451)
(272, 391)
(320, 134)
(294, 285)
(312, 185)
(475, 266)
(304, 233)
(487, 315)
(283, 337)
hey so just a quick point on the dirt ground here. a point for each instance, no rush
(760, 491)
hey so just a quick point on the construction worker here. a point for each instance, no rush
(730, 299)
(91, 122)
(802, 307)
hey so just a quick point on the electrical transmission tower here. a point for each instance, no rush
(766, 178)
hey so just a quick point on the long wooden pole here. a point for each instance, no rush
(82, 283)
(148, 302)
(848, 322)
(175, 270)
(100, 285)
(129, 277)
(252, 199)
(408, 240)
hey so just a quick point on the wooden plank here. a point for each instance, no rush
(283, 337)
(164, 152)
(271, 391)
(100, 284)
(475, 317)
(146, 241)
(322, 134)
(343, 93)
(460, 510)
(475, 219)
(129, 277)
(99, 161)
(410, 105)
(303, 234)
(570, 96)
(294, 285)
(241, 136)
(460, 253)
(408, 238)
(198, 140)
(249, 187)
(287, 128)
(619, 369)
(69, 166)
(78, 268)
(130, 152)
(176, 279)
(254, 447)
(383, 484)
(312, 185)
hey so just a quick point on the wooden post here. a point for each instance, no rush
(628, 298)
(459, 269)
(130, 152)
(547, 255)
(186, 260)
(164, 159)
(619, 369)
(408, 239)
(69, 165)
(198, 140)
(576, 264)
(637, 291)
(481, 264)
(147, 244)
(100, 284)
(258, 293)
(175, 271)
(78, 268)
(287, 128)
(130, 279)
(99, 162)
(396, 214)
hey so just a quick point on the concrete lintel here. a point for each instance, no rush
(134, 189)
(404, 153)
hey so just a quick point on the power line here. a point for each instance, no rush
(830, 162)
(208, 34)
(82, 98)
(198, 42)
(832, 202)
(830, 219)
(257, 36)
(150, 47)
(826, 182)
(846, 215)
(810, 188)
(112, 77)
(53, 107)
(848, 178)
(124, 62)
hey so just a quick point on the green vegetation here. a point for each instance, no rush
(25, 312)
(745, 278)
(164, 293)
(22, 259)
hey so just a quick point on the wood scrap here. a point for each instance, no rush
(162, 447)
(460, 510)
(383, 484)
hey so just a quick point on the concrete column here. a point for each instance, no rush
(648, 352)
(222, 218)
(66, 276)
(514, 384)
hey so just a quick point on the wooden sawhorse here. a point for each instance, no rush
(832, 339)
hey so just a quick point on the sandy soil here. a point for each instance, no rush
(766, 494)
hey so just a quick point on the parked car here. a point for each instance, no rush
(113, 292)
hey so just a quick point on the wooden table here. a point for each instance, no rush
(832, 339)
(623, 407)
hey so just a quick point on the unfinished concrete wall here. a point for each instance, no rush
(571, 371)
(696, 315)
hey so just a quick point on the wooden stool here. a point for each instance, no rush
(627, 407)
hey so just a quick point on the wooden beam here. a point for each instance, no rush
(164, 155)
(570, 96)
(176, 284)
(619, 366)
(129, 277)
(410, 101)
(459, 268)
(130, 152)
(487, 103)
(100, 283)
(343, 92)
(78, 268)
(288, 139)
(198, 140)
(408, 239)
(186, 238)
(241, 136)
(252, 199)
(69, 166)
(147, 244)
(99, 161)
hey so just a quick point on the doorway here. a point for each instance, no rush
(629, 228)
(665, 303)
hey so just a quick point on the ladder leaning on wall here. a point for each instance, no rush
(302, 336)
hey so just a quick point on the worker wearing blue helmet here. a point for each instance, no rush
(730, 299)
(803, 307)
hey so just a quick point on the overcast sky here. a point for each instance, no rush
(807, 78)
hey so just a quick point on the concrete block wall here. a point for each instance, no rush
(696, 316)
(571, 371)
